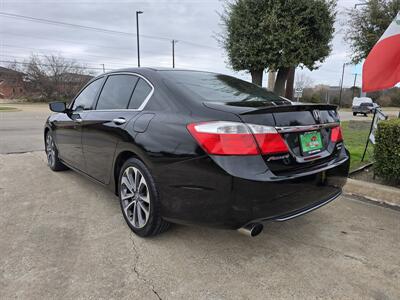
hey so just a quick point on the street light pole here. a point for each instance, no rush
(354, 85)
(173, 52)
(341, 85)
(138, 12)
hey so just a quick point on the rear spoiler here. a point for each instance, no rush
(292, 107)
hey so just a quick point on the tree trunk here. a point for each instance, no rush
(281, 81)
(290, 83)
(257, 76)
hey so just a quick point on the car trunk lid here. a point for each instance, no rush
(306, 129)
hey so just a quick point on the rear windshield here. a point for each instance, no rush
(221, 88)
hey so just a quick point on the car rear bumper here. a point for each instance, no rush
(209, 196)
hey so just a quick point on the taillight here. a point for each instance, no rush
(268, 139)
(336, 134)
(234, 138)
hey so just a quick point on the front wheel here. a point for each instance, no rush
(354, 114)
(139, 199)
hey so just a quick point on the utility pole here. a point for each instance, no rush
(173, 52)
(354, 85)
(341, 85)
(104, 70)
(138, 12)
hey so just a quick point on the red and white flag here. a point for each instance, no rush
(381, 68)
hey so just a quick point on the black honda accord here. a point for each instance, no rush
(193, 147)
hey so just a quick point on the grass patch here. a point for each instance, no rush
(7, 108)
(355, 135)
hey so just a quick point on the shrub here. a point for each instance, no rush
(387, 150)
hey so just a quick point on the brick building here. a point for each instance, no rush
(12, 84)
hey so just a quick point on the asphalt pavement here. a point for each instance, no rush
(22, 130)
(64, 237)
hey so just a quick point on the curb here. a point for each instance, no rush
(373, 191)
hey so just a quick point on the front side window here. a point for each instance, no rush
(85, 99)
(141, 92)
(116, 92)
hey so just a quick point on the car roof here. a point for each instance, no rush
(141, 69)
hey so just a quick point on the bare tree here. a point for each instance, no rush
(14, 66)
(54, 76)
(303, 81)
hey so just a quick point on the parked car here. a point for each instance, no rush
(364, 106)
(193, 147)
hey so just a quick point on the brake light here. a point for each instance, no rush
(268, 139)
(336, 134)
(234, 138)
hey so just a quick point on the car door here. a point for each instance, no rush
(68, 126)
(119, 102)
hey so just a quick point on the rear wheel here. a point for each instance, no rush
(140, 203)
(52, 154)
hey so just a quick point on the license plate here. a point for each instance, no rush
(311, 142)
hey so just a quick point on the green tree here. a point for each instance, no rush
(277, 35)
(367, 23)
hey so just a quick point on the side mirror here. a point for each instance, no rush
(59, 107)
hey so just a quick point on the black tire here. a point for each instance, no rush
(53, 160)
(354, 114)
(365, 115)
(154, 224)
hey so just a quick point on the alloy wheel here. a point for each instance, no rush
(50, 150)
(135, 197)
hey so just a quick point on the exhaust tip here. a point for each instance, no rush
(252, 229)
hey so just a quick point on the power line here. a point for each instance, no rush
(63, 40)
(57, 51)
(92, 28)
(98, 29)
(68, 58)
(47, 65)
(85, 53)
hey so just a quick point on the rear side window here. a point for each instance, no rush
(366, 104)
(85, 99)
(140, 94)
(116, 92)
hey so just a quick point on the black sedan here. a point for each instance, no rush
(194, 147)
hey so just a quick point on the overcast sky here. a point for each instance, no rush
(194, 23)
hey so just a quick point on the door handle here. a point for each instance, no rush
(119, 121)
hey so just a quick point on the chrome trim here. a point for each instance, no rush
(119, 121)
(144, 103)
(303, 212)
(140, 108)
(285, 129)
(107, 110)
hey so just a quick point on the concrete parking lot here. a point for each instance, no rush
(63, 236)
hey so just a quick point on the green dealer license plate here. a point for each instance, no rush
(310, 142)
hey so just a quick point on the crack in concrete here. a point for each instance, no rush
(338, 252)
(140, 276)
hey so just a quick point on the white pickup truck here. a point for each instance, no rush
(363, 105)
